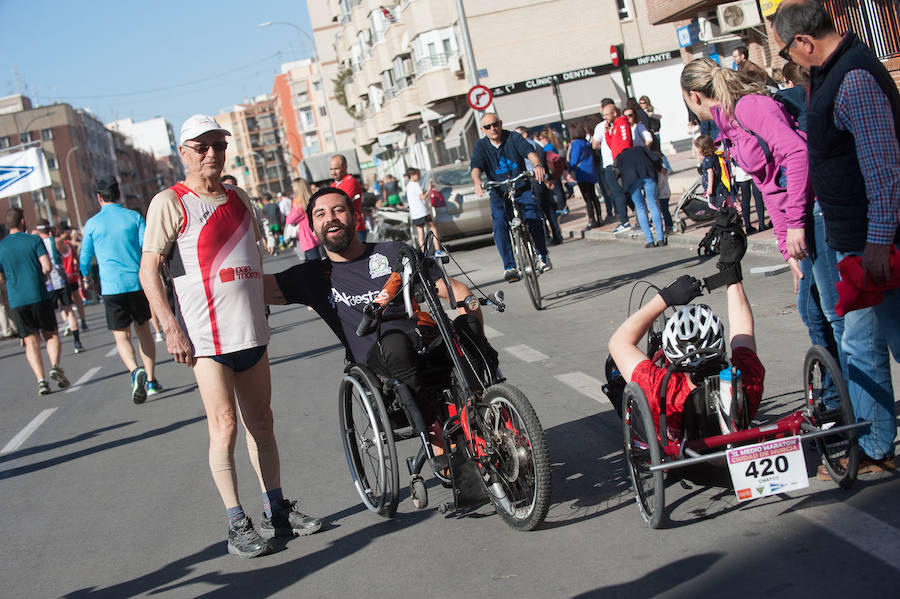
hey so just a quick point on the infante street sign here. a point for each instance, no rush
(577, 74)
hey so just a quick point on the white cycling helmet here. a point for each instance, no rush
(691, 328)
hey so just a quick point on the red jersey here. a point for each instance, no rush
(618, 136)
(650, 378)
(67, 257)
(352, 188)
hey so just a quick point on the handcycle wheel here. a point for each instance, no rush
(529, 267)
(641, 452)
(516, 473)
(369, 442)
(829, 404)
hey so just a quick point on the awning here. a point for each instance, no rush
(454, 137)
(316, 169)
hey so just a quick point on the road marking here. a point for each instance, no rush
(586, 385)
(525, 353)
(876, 537)
(26, 432)
(491, 333)
(84, 378)
(111, 352)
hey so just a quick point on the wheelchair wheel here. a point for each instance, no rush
(517, 470)
(829, 404)
(369, 442)
(641, 452)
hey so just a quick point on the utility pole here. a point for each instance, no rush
(467, 43)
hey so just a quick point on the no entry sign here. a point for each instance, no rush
(479, 97)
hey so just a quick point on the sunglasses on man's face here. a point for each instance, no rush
(785, 53)
(218, 146)
(489, 126)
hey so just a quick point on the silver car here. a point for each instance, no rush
(464, 213)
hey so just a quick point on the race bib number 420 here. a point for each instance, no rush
(767, 468)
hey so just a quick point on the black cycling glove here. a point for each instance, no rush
(681, 291)
(732, 239)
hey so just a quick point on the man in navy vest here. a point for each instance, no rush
(853, 123)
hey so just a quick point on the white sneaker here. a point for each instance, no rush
(622, 227)
(158, 337)
(545, 265)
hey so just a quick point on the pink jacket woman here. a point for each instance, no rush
(306, 239)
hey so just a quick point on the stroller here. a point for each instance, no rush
(693, 202)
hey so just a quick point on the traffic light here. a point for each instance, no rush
(239, 161)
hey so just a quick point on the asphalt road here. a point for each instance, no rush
(109, 499)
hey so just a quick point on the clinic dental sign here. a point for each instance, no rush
(767, 468)
(479, 97)
(22, 172)
(579, 74)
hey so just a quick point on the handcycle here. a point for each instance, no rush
(520, 238)
(765, 458)
(493, 443)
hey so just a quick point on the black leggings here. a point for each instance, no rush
(747, 188)
(590, 201)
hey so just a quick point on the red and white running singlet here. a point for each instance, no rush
(217, 275)
(68, 262)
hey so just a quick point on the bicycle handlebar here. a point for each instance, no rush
(489, 185)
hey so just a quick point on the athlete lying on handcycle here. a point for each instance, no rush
(694, 341)
(354, 275)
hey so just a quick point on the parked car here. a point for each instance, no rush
(464, 213)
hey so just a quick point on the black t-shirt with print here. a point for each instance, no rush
(339, 291)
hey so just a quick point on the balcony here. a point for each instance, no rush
(678, 10)
(432, 61)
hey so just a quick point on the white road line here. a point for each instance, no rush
(26, 432)
(84, 378)
(525, 353)
(491, 333)
(867, 533)
(111, 352)
(586, 385)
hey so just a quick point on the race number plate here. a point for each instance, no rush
(767, 468)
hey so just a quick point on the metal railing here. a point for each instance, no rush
(432, 61)
(876, 22)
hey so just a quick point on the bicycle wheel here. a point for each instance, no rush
(369, 442)
(829, 405)
(529, 267)
(641, 452)
(517, 470)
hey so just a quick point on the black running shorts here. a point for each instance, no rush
(32, 318)
(60, 298)
(124, 308)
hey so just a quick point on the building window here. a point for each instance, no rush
(624, 7)
(311, 143)
(323, 111)
(307, 119)
(59, 193)
(51, 163)
(24, 138)
(4, 142)
(15, 202)
(317, 86)
(432, 49)
(47, 134)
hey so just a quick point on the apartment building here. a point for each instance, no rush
(153, 136)
(302, 112)
(255, 153)
(401, 67)
(58, 131)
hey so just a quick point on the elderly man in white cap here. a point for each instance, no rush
(205, 234)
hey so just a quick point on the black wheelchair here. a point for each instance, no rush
(493, 444)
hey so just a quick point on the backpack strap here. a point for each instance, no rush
(762, 144)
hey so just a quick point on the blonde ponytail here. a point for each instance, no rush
(705, 76)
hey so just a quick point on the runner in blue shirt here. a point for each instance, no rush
(23, 265)
(116, 236)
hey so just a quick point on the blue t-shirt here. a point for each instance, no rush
(581, 160)
(711, 162)
(20, 264)
(116, 235)
(505, 161)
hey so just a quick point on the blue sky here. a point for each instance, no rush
(141, 59)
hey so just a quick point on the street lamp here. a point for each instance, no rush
(72, 185)
(35, 118)
(312, 43)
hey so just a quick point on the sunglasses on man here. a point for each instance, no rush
(489, 126)
(218, 146)
(785, 53)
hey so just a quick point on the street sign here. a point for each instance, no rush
(614, 55)
(479, 97)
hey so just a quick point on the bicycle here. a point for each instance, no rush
(492, 438)
(520, 238)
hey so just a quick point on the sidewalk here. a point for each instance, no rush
(683, 175)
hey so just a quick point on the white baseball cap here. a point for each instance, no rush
(197, 125)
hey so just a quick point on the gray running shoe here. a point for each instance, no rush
(78, 347)
(511, 275)
(244, 541)
(57, 374)
(139, 385)
(289, 521)
(44, 387)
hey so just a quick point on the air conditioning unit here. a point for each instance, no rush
(734, 16)
(708, 29)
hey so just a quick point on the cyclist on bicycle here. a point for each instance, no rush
(353, 275)
(501, 155)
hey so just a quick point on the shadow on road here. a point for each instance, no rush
(310, 353)
(22, 453)
(28, 469)
(259, 582)
(661, 580)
